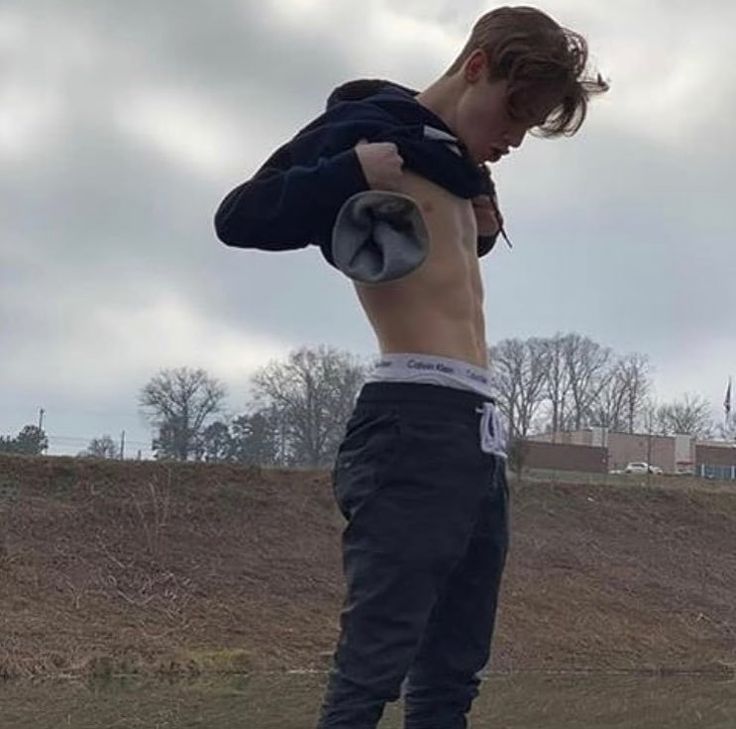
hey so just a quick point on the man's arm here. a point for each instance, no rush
(282, 205)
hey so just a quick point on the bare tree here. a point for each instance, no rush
(567, 382)
(636, 374)
(557, 382)
(689, 416)
(649, 410)
(726, 431)
(179, 401)
(314, 393)
(518, 370)
(648, 415)
(104, 447)
(589, 371)
(605, 411)
(620, 400)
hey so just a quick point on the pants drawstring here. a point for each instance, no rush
(492, 430)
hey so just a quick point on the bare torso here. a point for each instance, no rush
(438, 308)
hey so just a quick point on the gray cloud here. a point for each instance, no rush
(138, 117)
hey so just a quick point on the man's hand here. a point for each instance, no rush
(382, 164)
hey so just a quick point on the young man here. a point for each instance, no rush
(420, 475)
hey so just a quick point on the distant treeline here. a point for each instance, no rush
(299, 407)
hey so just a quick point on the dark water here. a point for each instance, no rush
(519, 701)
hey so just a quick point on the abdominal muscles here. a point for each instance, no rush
(438, 308)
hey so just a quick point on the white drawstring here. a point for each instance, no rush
(492, 430)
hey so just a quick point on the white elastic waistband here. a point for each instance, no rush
(432, 370)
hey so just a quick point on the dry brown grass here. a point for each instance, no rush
(109, 567)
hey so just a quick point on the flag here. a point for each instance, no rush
(727, 401)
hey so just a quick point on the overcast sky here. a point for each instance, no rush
(123, 123)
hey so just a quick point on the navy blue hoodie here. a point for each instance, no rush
(293, 199)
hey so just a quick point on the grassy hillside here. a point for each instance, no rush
(136, 567)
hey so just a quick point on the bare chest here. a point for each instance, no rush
(450, 220)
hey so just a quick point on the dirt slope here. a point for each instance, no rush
(109, 566)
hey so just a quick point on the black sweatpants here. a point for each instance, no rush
(423, 552)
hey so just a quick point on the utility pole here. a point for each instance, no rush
(122, 446)
(283, 440)
(40, 422)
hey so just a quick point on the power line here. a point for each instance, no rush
(82, 439)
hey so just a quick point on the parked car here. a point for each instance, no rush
(637, 468)
(642, 467)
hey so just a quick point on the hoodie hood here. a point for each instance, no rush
(363, 88)
(397, 100)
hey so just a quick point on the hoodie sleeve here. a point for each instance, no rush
(284, 204)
